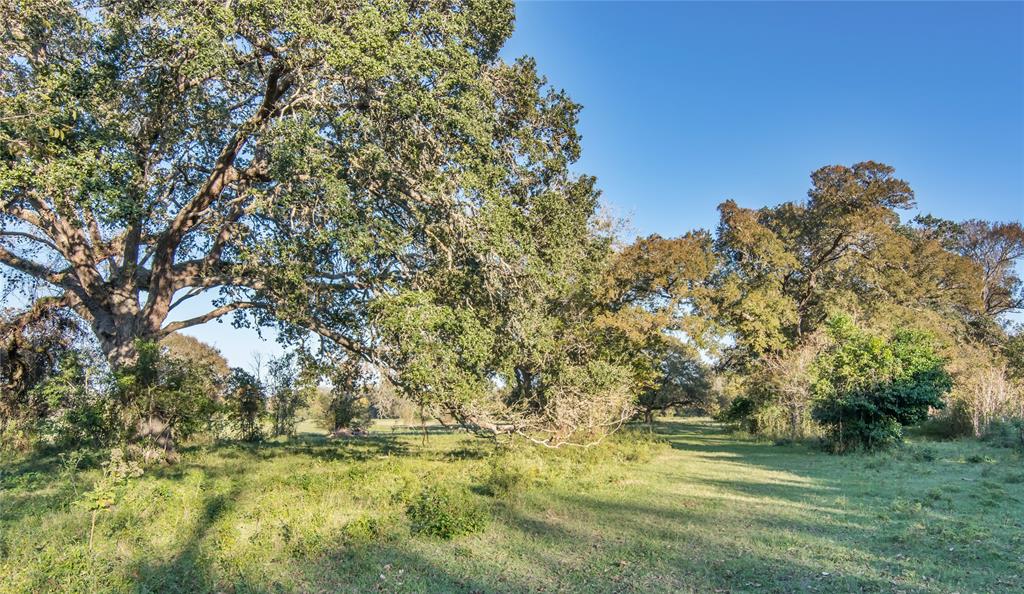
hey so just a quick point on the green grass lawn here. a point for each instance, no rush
(696, 509)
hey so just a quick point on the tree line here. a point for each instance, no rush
(376, 183)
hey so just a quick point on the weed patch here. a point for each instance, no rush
(446, 511)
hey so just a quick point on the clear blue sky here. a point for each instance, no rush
(687, 104)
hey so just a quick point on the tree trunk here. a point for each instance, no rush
(153, 432)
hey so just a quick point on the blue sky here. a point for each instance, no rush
(688, 104)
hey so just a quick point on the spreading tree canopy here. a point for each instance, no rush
(296, 160)
(370, 172)
(785, 268)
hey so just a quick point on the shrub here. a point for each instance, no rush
(985, 391)
(634, 445)
(919, 453)
(739, 412)
(106, 492)
(759, 414)
(446, 511)
(340, 409)
(870, 386)
(77, 411)
(166, 395)
(510, 475)
(34, 346)
(980, 459)
(947, 426)
(363, 529)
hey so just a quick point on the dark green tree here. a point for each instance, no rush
(870, 386)
(294, 160)
(245, 404)
(329, 167)
(684, 381)
(33, 344)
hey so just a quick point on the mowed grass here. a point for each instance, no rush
(693, 509)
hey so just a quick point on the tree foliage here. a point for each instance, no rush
(245, 405)
(291, 385)
(297, 158)
(370, 172)
(33, 344)
(869, 386)
(785, 268)
(684, 382)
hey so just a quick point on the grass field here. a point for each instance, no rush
(693, 509)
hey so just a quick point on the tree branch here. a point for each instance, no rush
(208, 316)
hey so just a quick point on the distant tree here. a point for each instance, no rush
(345, 403)
(650, 303)
(870, 386)
(997, 248)
(245, 405)
(515, 339)
(183, 346)
(786, 267)
(684, 381)
(290, 387)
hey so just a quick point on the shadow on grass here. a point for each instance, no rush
(188, 570)
(717, 513)
(351, 449)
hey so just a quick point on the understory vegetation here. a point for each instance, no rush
(687, 507)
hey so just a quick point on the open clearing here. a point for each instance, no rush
(697, 509)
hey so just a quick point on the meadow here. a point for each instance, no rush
(685, 506)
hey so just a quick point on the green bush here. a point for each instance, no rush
(165, 396)
(508, 475)
(78, 413)
(245, 405)
(364, 528)
(758, 414)
(636, 446)
(944, 426)
(446, 511)
(871, 386)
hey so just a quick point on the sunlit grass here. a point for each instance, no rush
(702, 511)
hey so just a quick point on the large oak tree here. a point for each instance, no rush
(296, 160)
(785, 268)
